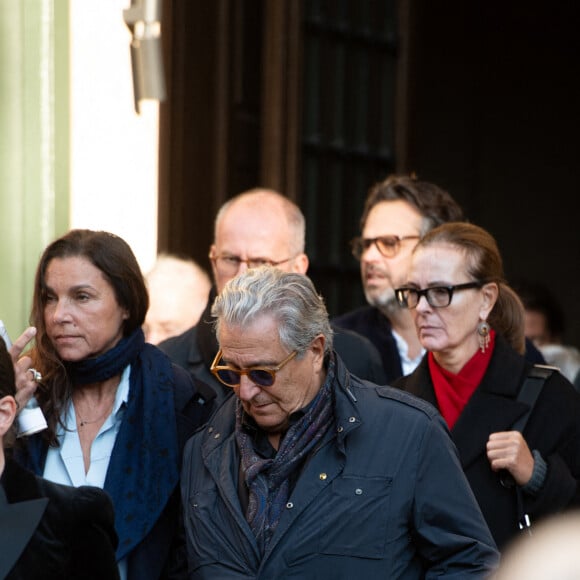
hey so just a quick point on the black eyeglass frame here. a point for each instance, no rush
(271, 371)
(359, 245)
(404, 302)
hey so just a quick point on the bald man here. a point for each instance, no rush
(256, 228)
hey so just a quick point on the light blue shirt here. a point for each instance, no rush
(64, 464)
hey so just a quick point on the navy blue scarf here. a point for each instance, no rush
(105, 366)
(144, 466)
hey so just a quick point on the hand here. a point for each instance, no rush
(25, 382)
(509, 450)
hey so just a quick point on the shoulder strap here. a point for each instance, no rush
(531, 390)
(529, 394)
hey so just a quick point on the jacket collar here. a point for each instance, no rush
(347, 417)
(346, 413)
(207, 344)
(21, 509)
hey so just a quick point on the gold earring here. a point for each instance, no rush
(483, 329)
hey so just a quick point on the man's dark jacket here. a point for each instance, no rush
(381, 496)
(370, 322)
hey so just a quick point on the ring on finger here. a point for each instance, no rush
(36, 376)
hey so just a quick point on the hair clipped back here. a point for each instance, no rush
(289, 297)
(484, 262)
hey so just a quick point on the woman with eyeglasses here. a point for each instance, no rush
(472, 325)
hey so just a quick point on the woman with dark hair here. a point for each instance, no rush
(48, 531)
(118, 411)
(472, 325)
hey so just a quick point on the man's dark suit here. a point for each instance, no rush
(372, 323)
(50, 531)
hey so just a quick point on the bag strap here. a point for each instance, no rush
(530, 392)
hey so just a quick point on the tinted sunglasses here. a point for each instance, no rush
(261, 376)
(388, 246)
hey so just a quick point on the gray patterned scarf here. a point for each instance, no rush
(268, 479)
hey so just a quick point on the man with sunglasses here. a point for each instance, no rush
(256, 228)
(310, 472)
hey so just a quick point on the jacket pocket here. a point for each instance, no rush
(214, 539)
(201, 528)
(355, 517)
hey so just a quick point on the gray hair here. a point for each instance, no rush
(289, 297)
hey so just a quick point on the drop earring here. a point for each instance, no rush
(483, 329)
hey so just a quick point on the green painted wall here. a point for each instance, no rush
(34, 144)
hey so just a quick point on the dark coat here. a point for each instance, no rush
(383, 496)
(553, 429)
(54, 532)
(158, 552)
(196, 348)
(370, 322)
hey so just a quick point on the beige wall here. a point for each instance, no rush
(33, 145)
(73, 152)
(113, 154)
